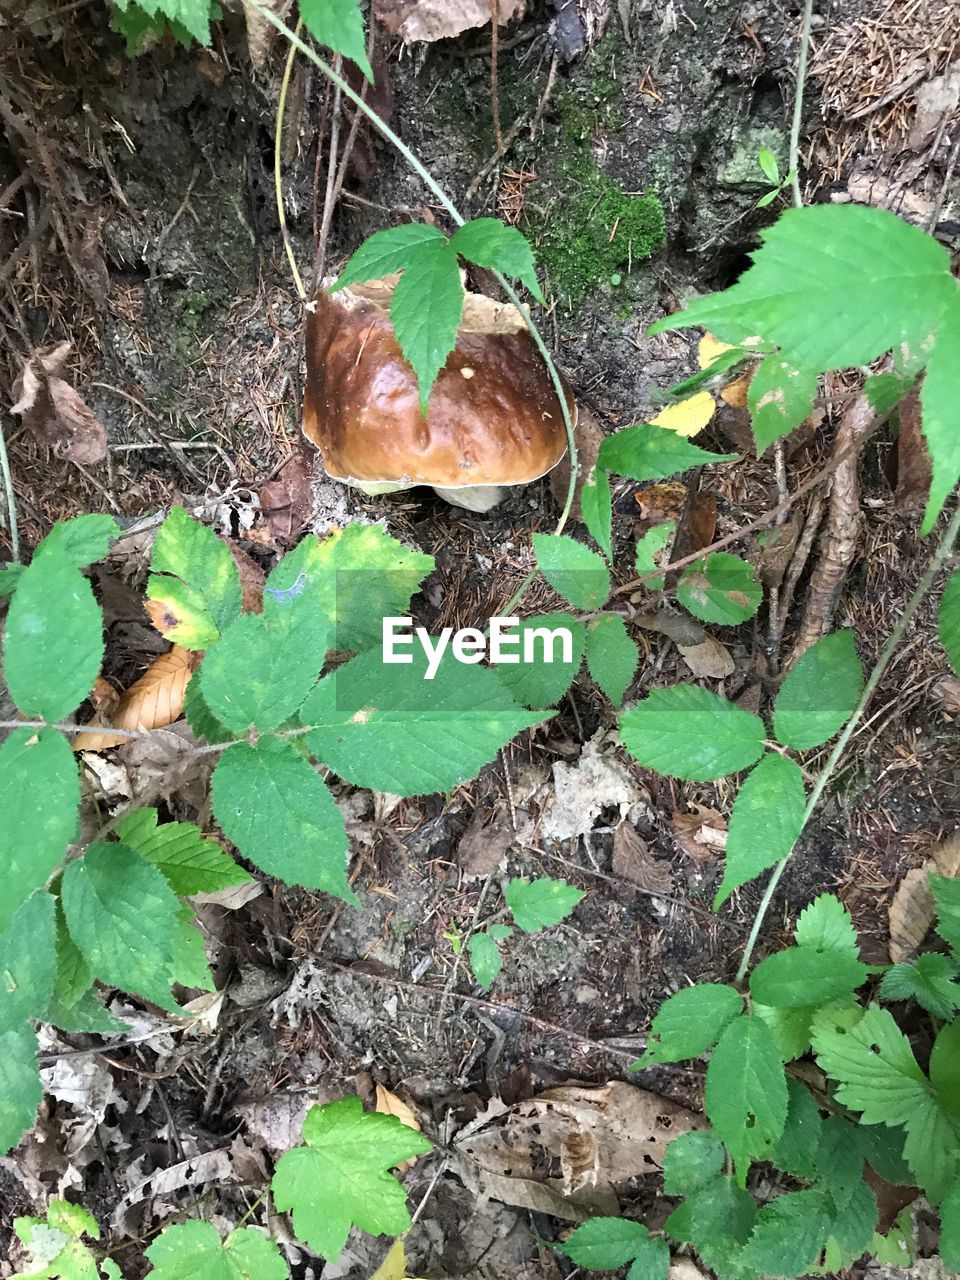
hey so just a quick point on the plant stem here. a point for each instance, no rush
(277, 179)
(11, 499)
(451, 209)
(937, 561)
(794, 161)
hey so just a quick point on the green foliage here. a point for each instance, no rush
(539, 683)
(687, 732)
(56, 1245)
(537, 904)
(596, 507)
(766, 821)
(692, 1161)
(338, 24)
(722, 588)
(650, 548)
(190, 863)
(602, 1244)
(746, 1091)
(946, 895)
(949, 621)
(190, 1249)
(20, 1088)
(690, 1023)
(485, 958)
(930, 980)
(194, 581)
(779, 398)
(612, 656)
(574, 571)
(142, 22)
(801, 976)
(819, 693)
(341, 1177)
(648, 452)
(789, 1233)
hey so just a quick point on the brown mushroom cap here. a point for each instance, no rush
(493, 417)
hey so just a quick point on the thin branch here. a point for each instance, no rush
(277, 178)
(330, 194)
(494, 74)
(798, 102)
(11, 499)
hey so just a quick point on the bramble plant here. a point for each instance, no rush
(830, 288)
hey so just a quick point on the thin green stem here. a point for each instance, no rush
(11, 499)
(798, 102)
(937, 561)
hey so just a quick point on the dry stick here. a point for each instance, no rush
(798, 102)
(11, 498)
(494, 85)
(329, 196)
(277, 179)
(937, 561)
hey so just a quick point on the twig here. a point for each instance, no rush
(67, 726)
(798, 102)
(942, 195)
(494, 85)
(11, 499)
(277, 157)
(329, 195)
(937, 560)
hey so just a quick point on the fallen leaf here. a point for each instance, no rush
(287, 502)
(734, 393)
(947, 693)
(633, 860)
(687, 417)
(55, 412)
(697, 526)
(913, 459)
(913, 909)
(679, 627)
(588, 436)
(777, 546)
(482, 848)
(430, 20)
(394, 1265)
(104, 698)
(579, 1162)
(152, 702)
(598, 780)
(252, 579)
(702, 834)
(388, 1104)
(203, 1013)
(708, 660)
(661, 502)
(233, 898)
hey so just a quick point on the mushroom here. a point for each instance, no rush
(493, 419)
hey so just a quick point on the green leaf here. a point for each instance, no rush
(690, 1023)
(201, 719)
(189, 1250)
(801, 976)
(340, 1178)
(596, 507)
(839, 1160)
(190, 965)
(722, 588)
(386, 252)
(426, 310)
(946, 896)
(73, 977)
(789, 1234)
(746, 1091)
(274, 808)
(766, 821)
(832, 286)
(854, 1225)
(87, 1016)
(195, 585)
(790, 1027)
(932, 1149)
(489, 243)
(650, 548)
(573, 570)
(34, 836)
(484, 959)
(826, 925)
(387, 727)
(648, 452)
(767, 199)
(717, 1221)
(691, 1161)
(537, 904)
(9, 577)
(187, 18)
(539, 683)
(950, 1228)
(945, 1068)
(819, 694)
(886, 390)
(882, 1149)
(602, 1244)
(82, 540)
(53, 639)
(20, 1088)
(28, 962)
(122, 915)
(930, 980)
(795, 1151)
(691, 733)
(191, 863)
(949, 621)
(874, 1065)
(779, 397)
(612, 656)
(339, 25)
(939, 396)
(768, 163)
(713, 374)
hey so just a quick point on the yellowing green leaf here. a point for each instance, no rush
(687, 417)
(194, 590)
(780, 396)
(721, 588)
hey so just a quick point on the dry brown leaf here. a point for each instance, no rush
(430, 20)
(482, 849)
(231, 899)
(104, 698)
(709, 660)
(660, 502)
(152, 702)
(54, 412)
(287, 502)
(913, 909)
(252, 579)
(579, 1159)
(777, 552)
(633, 861)
(701, 834)
(679, 627)
(913, 459)
(388, 1104)
(947, 693)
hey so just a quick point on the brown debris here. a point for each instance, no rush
(633, 861)
(912, 909)
(702, 834)
(55, 412)
(152, 702)
(430, 20)
(913, 460)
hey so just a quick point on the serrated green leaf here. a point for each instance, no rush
(886, 390)
(717, 1220)
(930, 980)
(484, 959)
(765, 823)
(596, 507)
(746, 1091)
(690, 1023)
(854, 1225)
(603, 1244)
(73, 1219)
(691, 1161)
(73, 977)
(722, 589)
(20, 1088)
(341, 1177)
(832, 286)
(9, 577)
(789, 1234)
(649, 550)
(826, 925)
(819, 694)
(950, 1228)
(939, 396)
(274, 808)
(386, 727)
(946, 896)
(882, 1149)
(790, 1027)
(612, 656)
(540, 683)
(949, 621)
(780, 396)
(537, 904)
(190, 965)
(201, 719)
(489, 243)
(945, 1068)
(194, 585)
(82, 540)
(190, 1250)
(28, 962)
(648, 452)
(800, 976)
(795, 1151)
(53, 638)
(190, 863)
(874, 1065)
(573, 570)
(691, 733)
(426, 310)
(839, 1160)
(187, 18)
(86, 1016)
(34, 837)
(122, 915)
(932, 1149)
(339, 25)
(386, 252)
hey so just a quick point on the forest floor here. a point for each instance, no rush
(156, 174)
